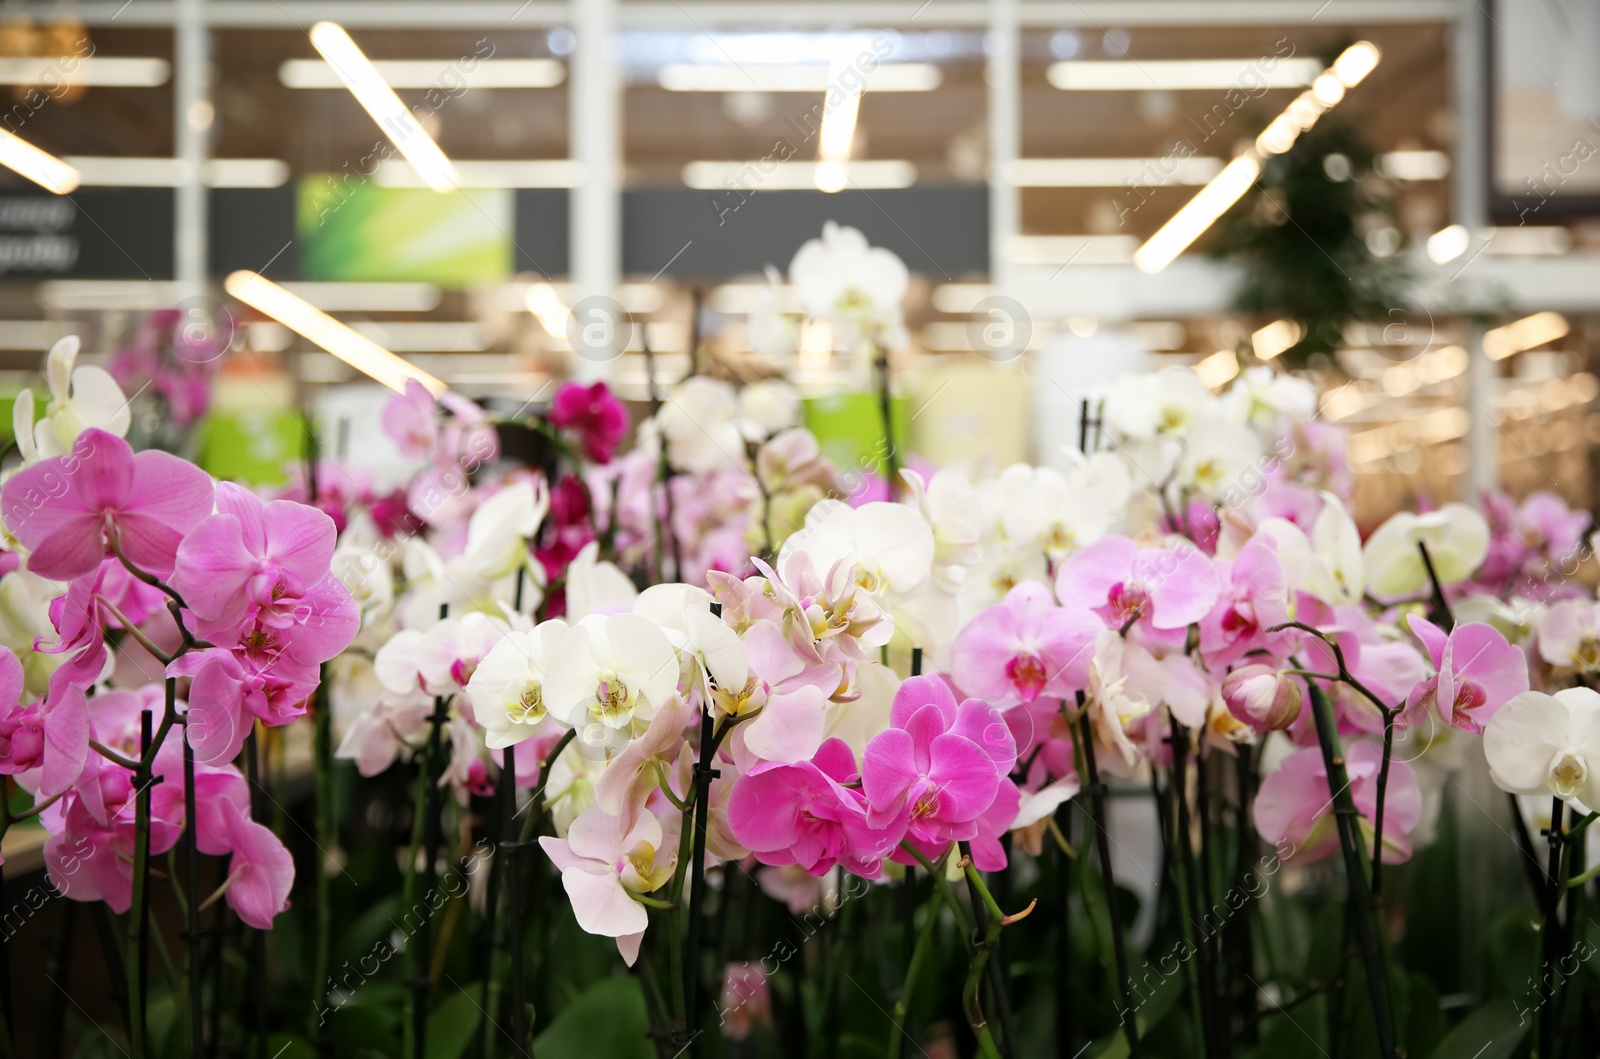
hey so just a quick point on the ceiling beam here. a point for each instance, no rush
(692, 14)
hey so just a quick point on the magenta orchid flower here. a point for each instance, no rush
(1477, 672)
(808, 814)
(65, 510)
(1294, 804)
(1169, 588)
(1024, 647)
(938, 766)
(591, 412)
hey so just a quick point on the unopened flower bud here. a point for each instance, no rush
(1262, 697)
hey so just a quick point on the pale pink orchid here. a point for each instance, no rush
(634, 775)
(789, 691)
(1477, 672)
(1295, 805)
(1263, 698)
(66, 509)
(1254, 599)
(1569, 635)
(603, 866)
(1169, 588)
(1023, 648)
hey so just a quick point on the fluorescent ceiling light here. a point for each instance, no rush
(44, 169)
(27, 335)
(1449, 243)
(103, 171)
(96, 72)
(379, 100)
(424, 336)
(546, 306)
(1109, 172)
(430, 73)
(531, 173)
(811, 77)
(1071, 249)
(1218, 369)
(960, 297)
(841, 104)
(1198, 214)
(368, 297)
(1213, 200)
(766, 175)
(306, 320)
(1541, 241)
(1275, 338)
(1129, 75)
(1524, 334)
(1414, 165)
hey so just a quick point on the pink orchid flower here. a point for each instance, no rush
(1169, 588)
(231, 692)
(602, 866)
(938, 766)
(253, 555)
(64, 510)
(261, 873)
(50, 736)
(408, 419)
(806, 814)
(1024, 647)
(1477, 672)
(1294, 803)
(1254, 598)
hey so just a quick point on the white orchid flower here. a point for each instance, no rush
(768, 408)
(608, 672)
(842, 279)
(1270, 400)
(890, 546)
(713, 651)
(595, 586)
(1338, 573)
(1547, 745)
(951, 507)
(498, 532)
(1165, 404)
(1457, 538)
(80, 398)
(699, 424)
(507, 688)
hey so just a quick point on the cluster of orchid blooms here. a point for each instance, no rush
(830, 684)
(155, 616)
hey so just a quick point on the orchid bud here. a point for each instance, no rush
(1262, 697)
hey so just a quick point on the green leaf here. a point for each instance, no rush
(607, 1019)
(452, 1024)
(1492, 1032)
(1150, 1011)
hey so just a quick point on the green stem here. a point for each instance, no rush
(408, 900)
(902, 1004)
(1346, 817)
(327, 840)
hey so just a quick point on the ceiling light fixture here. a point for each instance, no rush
(379, 100)
(311, 323)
